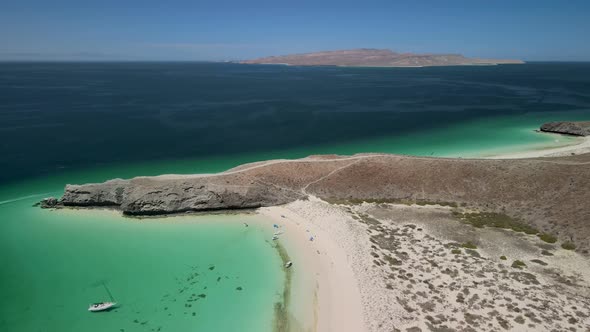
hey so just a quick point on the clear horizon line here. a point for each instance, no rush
(192, 60)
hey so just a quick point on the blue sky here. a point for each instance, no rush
(231, 30)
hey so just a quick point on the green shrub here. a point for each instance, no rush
(503, 258)
(493, 219)
(518, 264)
(548, 238)
(469, 245)
(568, 245)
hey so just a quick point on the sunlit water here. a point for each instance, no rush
(206, 273)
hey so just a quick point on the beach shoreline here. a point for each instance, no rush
(580, 147)
(324, 288)
(423, 254)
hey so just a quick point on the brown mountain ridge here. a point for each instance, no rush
(376, 58)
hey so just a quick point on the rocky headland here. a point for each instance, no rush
(376, 58)
(548, 194)
(576, 128)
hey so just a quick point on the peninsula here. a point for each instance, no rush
(511, 187)
(376, 58)
(401, 243)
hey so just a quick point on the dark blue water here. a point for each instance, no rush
(57, 117)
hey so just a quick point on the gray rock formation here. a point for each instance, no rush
(48, 203)
(580, 128)
(165, 195)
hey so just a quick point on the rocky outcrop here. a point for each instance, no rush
(109, 193)
(49, 202)
(580, 128)
(164, 195)
(376, 58)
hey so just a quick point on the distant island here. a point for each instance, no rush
(365, 57)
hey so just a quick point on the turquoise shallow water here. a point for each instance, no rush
(493, 135)
(172, 274)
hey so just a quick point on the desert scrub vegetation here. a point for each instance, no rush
(366, 219)
(358, 201)
(538, 261)
(468, 245)
(547, 238)
(503, 258)
(494, 219)
(423, 203)
(456, 251)
(568, 245)
(518, 264)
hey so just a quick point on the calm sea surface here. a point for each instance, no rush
(59, 117)
(84, 122)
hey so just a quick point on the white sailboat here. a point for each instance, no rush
(102, 306)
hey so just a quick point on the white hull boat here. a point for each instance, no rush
(102, 306)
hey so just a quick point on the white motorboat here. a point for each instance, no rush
(288, 264)
(102, 306)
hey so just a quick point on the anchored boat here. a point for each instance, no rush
(102, 306)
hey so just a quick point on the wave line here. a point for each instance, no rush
(24, 197)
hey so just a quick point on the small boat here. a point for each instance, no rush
(277, 233)
(102, 306)
(274, 238)
(288, 264)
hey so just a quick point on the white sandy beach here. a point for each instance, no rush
(582, 147)
(427, 287)
(323, 272)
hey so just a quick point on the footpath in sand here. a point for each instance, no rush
(419, 268)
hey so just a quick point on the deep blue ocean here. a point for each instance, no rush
(59, 117)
